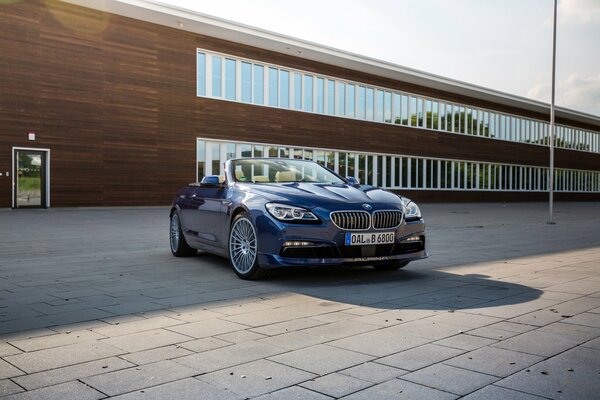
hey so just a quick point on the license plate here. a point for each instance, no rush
(362, 239)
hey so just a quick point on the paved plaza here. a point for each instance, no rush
(93, 305)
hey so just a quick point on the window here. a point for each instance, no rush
(308, 93)
(320, 95)
(350, 100)
(369, 104)
(259, 87)
(246, 82)
(379, 105)
(201, 74)
(216, 76)
(297, 91)
(229, 79)
(273, 87)
(341, 104)
(396, 109)
(413, 111)
(361, 103)
(201, 159)
(284, 89)
(420, 121)
(404, 110)
(387, 107)
(330, 97)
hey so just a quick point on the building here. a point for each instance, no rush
(123, 103)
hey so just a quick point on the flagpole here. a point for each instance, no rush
(552, 134)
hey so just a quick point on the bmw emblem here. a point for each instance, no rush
(367, 207)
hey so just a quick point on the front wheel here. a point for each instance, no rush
(179, 246)
(391, 266)
(243, 249)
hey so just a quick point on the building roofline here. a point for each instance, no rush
(193, 21)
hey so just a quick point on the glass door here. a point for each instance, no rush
(30, 178)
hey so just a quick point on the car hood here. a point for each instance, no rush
(334, 196)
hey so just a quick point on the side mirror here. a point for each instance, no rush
(211, 181)
(353, 181)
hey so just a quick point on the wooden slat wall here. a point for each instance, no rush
(114, 99)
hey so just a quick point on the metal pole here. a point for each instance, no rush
(551, 171)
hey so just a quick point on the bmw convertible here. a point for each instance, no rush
(267, 213)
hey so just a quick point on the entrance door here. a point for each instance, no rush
(30, 179)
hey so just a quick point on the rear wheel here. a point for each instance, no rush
(179, 246)
(391, 266)
(243, 249)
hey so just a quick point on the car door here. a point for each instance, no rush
(208, 206)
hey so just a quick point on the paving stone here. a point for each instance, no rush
(204, 344)
(373, 372)
(450, 379)
(136, 378)
(240, 336)
(137, 325)
(339, 329)
(493, 361)
(379, 343)
(287, 326)
(465, 342)
(207, 328)
(146, 340)
(581, 286)
(595, 344)
(394, 317)
(493, 392)
(184, 389)
(581, 333)
(256, 378)
(71, 373)
(157, 354)
(552, 378)
(587, 319)
(229, 356)
(62, 356)
(294, 340)
(8, 371)
(321, 359)
(8, 387)
(193, 314)
(400, 389)
(426, 328)
(420, 357)
(336, 385)
(294, 393)
(65, 391)
(60, 339)
(7, 349)
(538, 343)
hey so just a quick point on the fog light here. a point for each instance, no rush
(296, 244)
(413, 239)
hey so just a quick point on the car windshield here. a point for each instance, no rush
(282, 170)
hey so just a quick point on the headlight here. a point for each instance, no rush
(411, 210)
(283, 212)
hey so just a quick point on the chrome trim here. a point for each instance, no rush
(351, 220)
(389, 215)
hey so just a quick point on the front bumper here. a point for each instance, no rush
(329, 240)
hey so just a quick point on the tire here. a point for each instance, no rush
(243, 249)
(178, 244)
(391, 266)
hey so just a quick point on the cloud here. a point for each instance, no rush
(578, 11)
(575, 92)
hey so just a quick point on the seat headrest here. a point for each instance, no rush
(239, 174)
(285, 176)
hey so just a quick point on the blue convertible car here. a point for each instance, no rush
(274, 212)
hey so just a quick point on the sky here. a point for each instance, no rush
(504, 45)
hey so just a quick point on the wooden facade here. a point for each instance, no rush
(114, 99)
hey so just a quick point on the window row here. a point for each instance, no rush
(404, 172)
(229, 78)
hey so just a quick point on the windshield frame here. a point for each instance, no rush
(336, 178)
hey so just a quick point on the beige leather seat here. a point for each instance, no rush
(260, 178)
(285, 176)
(221, 178)
(239, 174)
